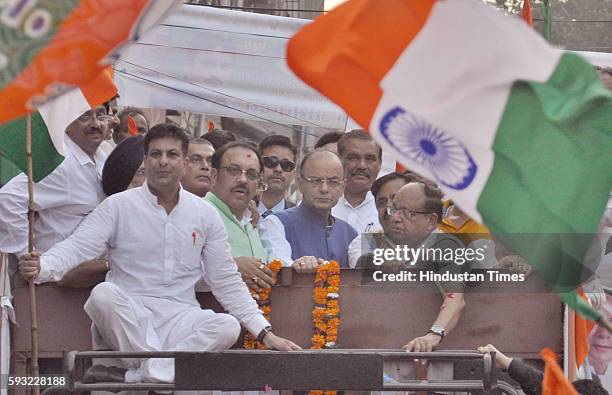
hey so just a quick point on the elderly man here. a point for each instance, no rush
(236, 175)
(64, 197)
(158, 235)
(198, 178)
(303, 235)
(362, 159)
(278, 156)
(383, 190)
(414, 216)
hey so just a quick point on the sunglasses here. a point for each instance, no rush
(272, 161)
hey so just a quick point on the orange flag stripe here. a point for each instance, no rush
(582, 328)
(100, 89)
(355, 61)
(554, 382)
(90, 32)
(526, 13)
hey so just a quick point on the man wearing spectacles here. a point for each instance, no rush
(236, 176)
(197, 178)
(64, 197)
(278, 156)
(305, 235)
(414, 214)
(362, 159)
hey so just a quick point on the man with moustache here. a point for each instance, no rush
(278, 156)
(64, 197)
(157, 235)
(362, 159)
(236, 175)
(197, 179)
(122, 131)
(305, 235)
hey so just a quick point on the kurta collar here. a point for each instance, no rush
(150, 197)
(368, 198)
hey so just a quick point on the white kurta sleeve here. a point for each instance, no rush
(221, 274)
(274, 240)
(14, 214)
(48, 193)
(89, 241)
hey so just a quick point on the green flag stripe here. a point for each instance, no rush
(552, 171)
(16, 47)
(45, 157)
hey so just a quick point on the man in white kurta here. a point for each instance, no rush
(62, 199)
(158, 237)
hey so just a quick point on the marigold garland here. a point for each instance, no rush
(263, 301)
(326, 312)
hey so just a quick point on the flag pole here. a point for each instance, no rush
(32, 286)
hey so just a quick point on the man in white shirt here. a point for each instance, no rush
(157, 236)
(64, 197)
(198, 179)
(362, 159)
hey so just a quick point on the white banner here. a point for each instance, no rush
(225, 63)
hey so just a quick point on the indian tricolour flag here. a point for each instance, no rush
(519, 134)
(49, 129)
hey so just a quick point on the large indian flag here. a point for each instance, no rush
(519, 134)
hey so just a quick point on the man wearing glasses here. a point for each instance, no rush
(64, 197)
(197, 178)
(278, 156)
(305, 235)
(413, 216)
(236, 177)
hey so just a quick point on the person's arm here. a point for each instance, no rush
(14, 214)
(87, 242)
(274, 240)
(85, 275)
(529, 378)
(447, 319)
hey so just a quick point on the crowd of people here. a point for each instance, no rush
(156, 216)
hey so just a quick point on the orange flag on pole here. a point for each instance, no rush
(554, 382)
(526, 13)
(582, 328)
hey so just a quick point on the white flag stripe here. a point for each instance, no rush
(453, 70)
(60, 112)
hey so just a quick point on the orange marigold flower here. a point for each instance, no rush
(275, 265)
(333, 304)
(333, 281)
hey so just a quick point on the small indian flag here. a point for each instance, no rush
(519, 134)
(48, 129)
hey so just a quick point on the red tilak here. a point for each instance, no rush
(194, 237)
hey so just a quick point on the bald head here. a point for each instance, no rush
(417, 212)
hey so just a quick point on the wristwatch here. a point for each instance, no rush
(437, 330)
(264, 332)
